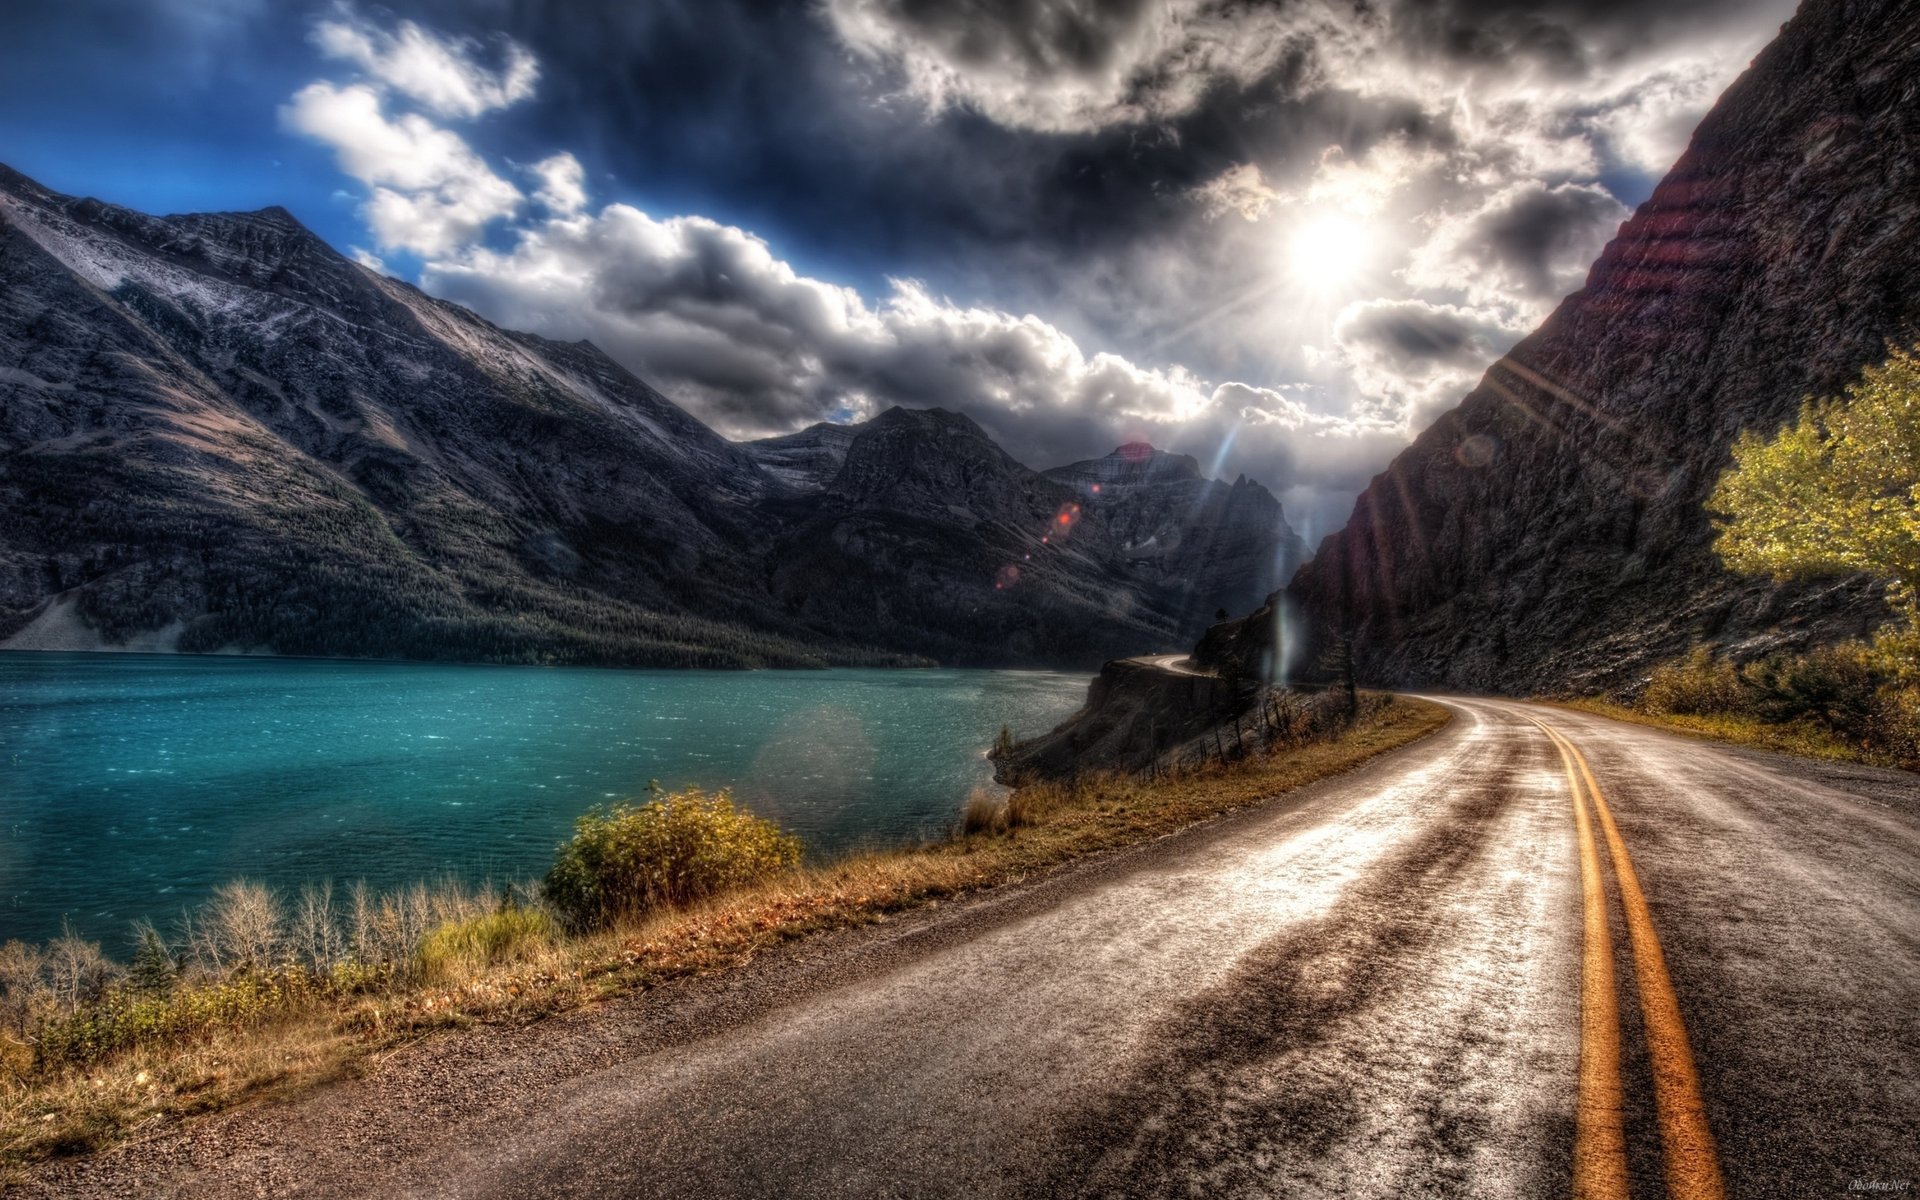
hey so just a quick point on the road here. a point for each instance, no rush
(1172, 664)
(1424, 977)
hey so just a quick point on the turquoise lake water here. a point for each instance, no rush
(132, 785)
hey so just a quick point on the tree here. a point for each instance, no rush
(1836, 492)
(153, 970)
(1338, 660)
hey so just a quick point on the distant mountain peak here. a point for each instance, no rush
(1131, 462)
(279, 216)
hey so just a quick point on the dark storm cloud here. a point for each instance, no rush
(1569, 35)
(750, 111)
(1413, 332)
(1540, 238)
(1044, 37)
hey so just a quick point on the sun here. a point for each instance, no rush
(1328, 253)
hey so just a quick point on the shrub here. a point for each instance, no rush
(76, 972)
(1697, 685)
(507, 934)
(23, 986)
(1895, 724)
(240, 928)
(153, 970)
(1838, 685)
(123, 1017)
(1859, 693)
(984, 813)
(676, 848)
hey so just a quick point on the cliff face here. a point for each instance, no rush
(1548, 534)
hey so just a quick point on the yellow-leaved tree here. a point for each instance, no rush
(1836, 492)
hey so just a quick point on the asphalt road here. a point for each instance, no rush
(1371, 987)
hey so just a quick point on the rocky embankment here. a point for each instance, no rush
(1138, 710)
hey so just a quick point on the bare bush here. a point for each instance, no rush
(23, 984)
(240, 929)
(75, 970)
(318, 939)
(387, 926)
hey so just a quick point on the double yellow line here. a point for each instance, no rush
(1599, 1142)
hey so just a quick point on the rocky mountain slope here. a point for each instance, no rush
(218, 433)
(1219, 545)
(1548, 534)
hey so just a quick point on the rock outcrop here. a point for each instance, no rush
(930, 534)
(1548, 534)
(1137, 712)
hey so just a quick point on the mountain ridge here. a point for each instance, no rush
(218, 429)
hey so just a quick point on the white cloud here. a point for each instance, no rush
(1365, 185)
(562, 183)
(442, 73)
(1648, 125)
(430, 191)
(1241, 188)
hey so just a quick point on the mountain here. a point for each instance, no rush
(1548, 534)
(807, 460)
(1165, 547)
(1219, 545)
(216, 433)
(217, 427)
(1001, 561)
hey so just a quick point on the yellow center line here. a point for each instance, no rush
(1686, 1141)
(1599, 1136)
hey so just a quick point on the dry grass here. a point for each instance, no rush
(132, 1093)
(1805, 738)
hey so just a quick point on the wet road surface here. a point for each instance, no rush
(1536, 954)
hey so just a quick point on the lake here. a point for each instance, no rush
(132, 785)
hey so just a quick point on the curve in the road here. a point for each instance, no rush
(1376, 985)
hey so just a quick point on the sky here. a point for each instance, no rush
(1279, 236)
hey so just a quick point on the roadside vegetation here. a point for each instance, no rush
(1835, 493)
(259, 994)
(1837, 703)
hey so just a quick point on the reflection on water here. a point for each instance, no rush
(131, 785)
